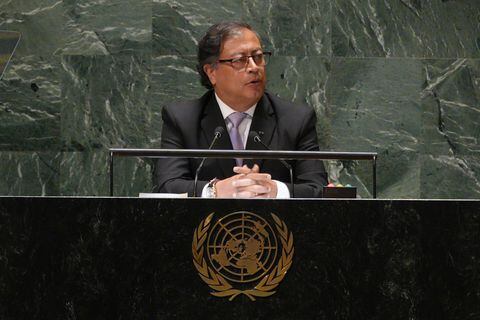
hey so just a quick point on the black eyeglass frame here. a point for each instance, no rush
(267, 54)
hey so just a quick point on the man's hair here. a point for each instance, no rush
(210, 45)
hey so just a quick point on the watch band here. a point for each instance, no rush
(211, 188)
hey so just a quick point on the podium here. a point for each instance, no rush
(130, 258)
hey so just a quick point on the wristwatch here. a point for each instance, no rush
(211, 188)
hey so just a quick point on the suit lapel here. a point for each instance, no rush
(264, 124)
(212, 118)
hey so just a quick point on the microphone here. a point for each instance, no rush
(256, 138)
(217, 135)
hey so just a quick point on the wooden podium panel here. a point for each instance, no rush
(129, 258)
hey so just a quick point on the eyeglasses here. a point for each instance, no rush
(241, 63)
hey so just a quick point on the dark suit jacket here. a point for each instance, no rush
(285, 126)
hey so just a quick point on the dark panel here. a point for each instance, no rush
(74, 258)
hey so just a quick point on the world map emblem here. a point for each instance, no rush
(242, 254)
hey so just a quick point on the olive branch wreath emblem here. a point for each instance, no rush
(222, 288)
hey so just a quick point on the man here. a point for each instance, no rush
(232, 65)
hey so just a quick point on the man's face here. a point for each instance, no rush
(240, 89)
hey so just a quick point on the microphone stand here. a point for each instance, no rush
(256, 138)
(218, 134)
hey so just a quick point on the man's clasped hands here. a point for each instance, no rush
(247, 183)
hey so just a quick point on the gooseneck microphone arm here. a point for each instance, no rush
(218, 134)
(256, 138)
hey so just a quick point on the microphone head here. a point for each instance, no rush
(219, 131)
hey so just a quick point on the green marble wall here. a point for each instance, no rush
(397, 77)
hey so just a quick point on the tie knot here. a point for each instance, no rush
(236, 118)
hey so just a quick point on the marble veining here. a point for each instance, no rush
(397, 77)
(407, 28)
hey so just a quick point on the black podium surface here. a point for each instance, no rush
(128, 258)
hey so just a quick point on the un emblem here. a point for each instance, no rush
(242, 253)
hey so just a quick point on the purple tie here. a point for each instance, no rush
(235, 119)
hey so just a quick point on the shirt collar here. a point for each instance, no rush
(226, 110)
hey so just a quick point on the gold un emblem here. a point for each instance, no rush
(240, 254)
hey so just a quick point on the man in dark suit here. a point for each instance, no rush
(232, 65)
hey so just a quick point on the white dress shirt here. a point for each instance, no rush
(244, 129)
